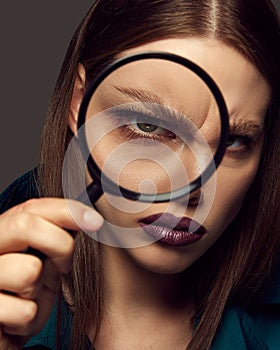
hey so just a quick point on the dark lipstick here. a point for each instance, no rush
(171, 230)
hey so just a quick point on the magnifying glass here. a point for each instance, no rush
(152, 127)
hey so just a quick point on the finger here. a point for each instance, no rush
(47, 286)
(16, 312)
(27, 230)
(20, 273)
(37, 223)
(69, 214)
(45, 299)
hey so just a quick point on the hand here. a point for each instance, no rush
(40, 224)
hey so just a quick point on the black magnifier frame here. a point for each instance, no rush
(96, 188)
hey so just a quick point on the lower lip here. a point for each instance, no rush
(171, 237)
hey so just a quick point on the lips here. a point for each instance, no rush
(171, 230)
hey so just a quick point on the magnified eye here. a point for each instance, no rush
(145, 127)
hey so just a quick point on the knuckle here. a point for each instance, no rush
(21, 222)
(31, 272)
(22, 207)
(29, 204)
(29, 312)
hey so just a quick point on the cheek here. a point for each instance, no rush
(232, 185)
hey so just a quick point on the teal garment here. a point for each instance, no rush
(47, 337)
(238, 331)
(256, 327)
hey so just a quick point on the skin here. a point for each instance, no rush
(247, 96)
(134, 276)
(42, 224)
(147, 281)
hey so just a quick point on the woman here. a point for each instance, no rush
(211, 293)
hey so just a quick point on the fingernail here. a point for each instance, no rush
(92, 220)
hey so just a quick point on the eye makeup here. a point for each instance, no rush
(150, 118)
(242, 137)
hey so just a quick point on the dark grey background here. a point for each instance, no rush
(34, 37)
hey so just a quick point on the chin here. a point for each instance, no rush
(165, 270)
(167, 262)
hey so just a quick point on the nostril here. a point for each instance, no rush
(193, 202)
(195, 198)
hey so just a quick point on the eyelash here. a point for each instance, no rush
(246, 144)
(131, 133)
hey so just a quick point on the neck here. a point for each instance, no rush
(139, 301)
(130, 284)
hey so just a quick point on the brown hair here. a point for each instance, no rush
(241, 260)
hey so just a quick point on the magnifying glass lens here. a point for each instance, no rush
(153, 127)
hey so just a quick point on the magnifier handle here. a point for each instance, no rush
(91, 194)
(35, 252)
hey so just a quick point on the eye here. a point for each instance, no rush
(142, 124)
(235, 141)
(239, 144)
(149, 128)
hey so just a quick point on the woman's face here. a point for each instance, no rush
(214, 206)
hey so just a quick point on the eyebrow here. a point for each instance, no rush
(246, 127)
(157, 103)
(141, 95)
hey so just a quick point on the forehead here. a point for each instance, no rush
(245, 90)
